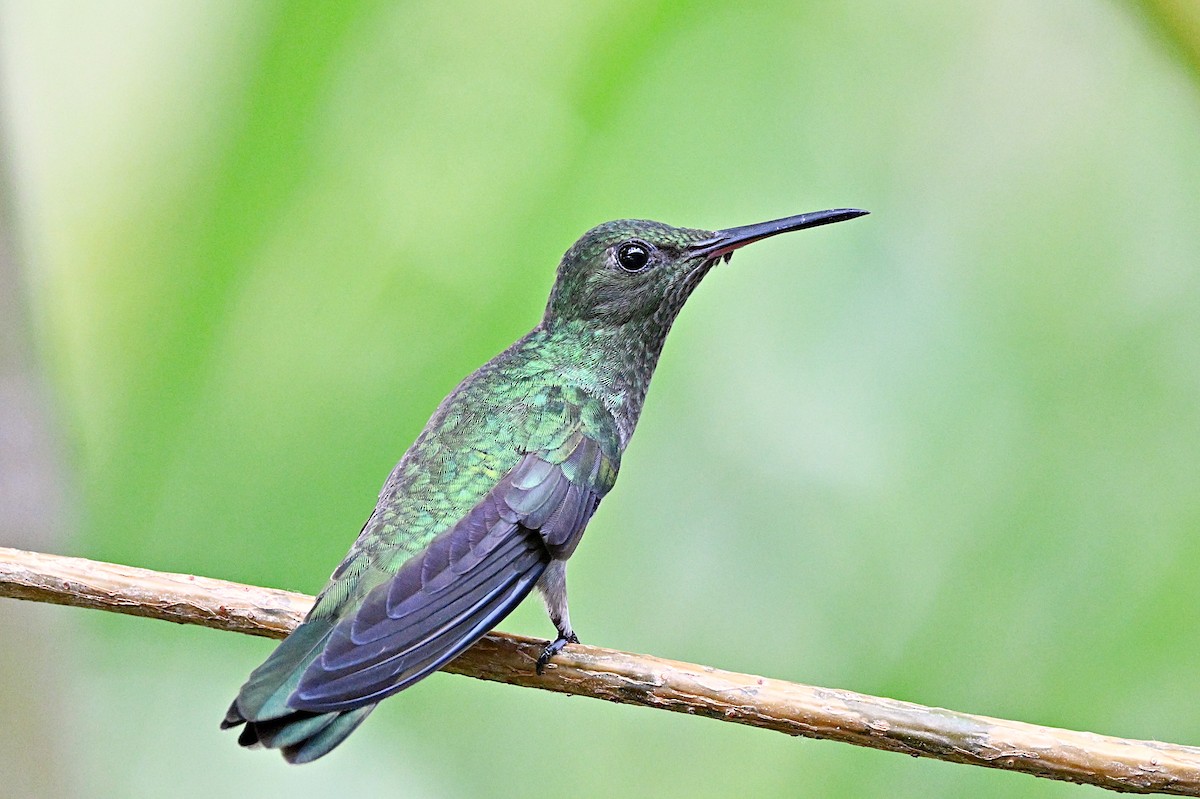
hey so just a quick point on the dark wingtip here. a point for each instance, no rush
(233, 717)
(249, 737)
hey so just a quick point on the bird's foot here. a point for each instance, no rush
(553, 648)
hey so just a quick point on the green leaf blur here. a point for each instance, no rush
(947, 453)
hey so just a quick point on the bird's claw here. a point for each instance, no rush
(552, 649)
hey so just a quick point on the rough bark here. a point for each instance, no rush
(1114, 763)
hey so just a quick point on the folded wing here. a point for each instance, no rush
(443, 600)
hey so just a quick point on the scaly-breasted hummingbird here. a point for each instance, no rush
(492, 498)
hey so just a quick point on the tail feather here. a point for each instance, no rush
(291, 729)
(320, 743)
(265, 694)
(380, 627)
(262, 702)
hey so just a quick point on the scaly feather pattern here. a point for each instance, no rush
(493, 496)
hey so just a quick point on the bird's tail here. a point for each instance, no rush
(261, 705)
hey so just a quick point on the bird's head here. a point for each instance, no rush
(638, 271)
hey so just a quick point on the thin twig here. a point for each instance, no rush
(1114, 763)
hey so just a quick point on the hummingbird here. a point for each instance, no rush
(493, 497)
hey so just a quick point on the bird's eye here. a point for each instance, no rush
(633, 256)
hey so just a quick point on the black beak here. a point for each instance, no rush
(726, 241)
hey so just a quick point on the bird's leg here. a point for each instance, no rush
(553, 587)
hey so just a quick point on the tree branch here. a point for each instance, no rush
(1114, 763)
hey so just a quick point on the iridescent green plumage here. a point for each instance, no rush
(494, 495)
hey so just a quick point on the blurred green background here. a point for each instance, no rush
(947, 453)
